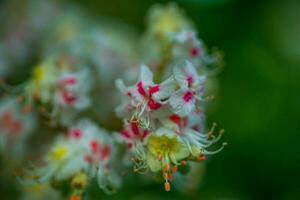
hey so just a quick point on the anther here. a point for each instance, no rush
(75, 197)
(221, 131)
(159, 157)
(202, 158)
(166, 167)
(167, 186)
(174, 170)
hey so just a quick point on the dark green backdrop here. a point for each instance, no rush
(258, 102)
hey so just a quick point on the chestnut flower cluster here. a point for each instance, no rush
(164, 122)
(97, 88)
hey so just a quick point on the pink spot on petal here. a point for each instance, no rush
(129, 146)
(190, 81)
(145, 134)
(94, 145)
(105, 152)
(181, 122)
(194, 52)
(175, 119)
(69, 97)
(141, 89)
(70, 81)
(188, 96)
(135, 128)
(88, 159)
(76, 134)
(153, 89)
(153, 105)
(129, 93)
(125, 134)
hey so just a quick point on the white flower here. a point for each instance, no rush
(73, 88)
(188, 46)
(16, 126)
(145, 96)
(60, 89)
(193, 135)
(132, 134)
(87, 149)
(191, 89)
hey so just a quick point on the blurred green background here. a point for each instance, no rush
(258, 102)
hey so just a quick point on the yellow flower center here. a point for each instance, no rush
(166, 20)
(59, 153)
(163, 144)
(79, 181)
(167, 23)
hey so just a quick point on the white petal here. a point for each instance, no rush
(163, 131)
(180, 107)
(180, 77)
(121, 86)
(83, 102)
(146, 76)
(191, 71)
(153, 163)
(166, 89)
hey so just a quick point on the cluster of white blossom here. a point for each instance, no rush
(80, 81)
(164, 122)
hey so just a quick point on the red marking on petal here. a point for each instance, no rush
(181, 122)
(153, 89)
(141, 89)
(125, 134)
(135, 128)
(94, 145)
(129, 146)
(176, 119)
(153, 105)
(76, 133)
(190, 81)
(88, 159)
(69, 97)
(194, 52)
(70, 81)
(129, 93)
(145, 134)
(188, 96)
(105, 153)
